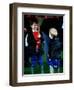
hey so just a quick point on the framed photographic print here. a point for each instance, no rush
(40, 44)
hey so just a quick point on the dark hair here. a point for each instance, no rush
(33, 20)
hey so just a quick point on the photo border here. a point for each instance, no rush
(13, 43)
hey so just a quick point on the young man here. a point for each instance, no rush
(35, 46)
(54, 50)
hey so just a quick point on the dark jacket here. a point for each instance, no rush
(32, 44)
(54, 48)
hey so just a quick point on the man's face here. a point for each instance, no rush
(53, 31)
(35, 26)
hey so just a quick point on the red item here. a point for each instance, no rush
(37, 38)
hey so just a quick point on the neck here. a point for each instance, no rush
(34, 30)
